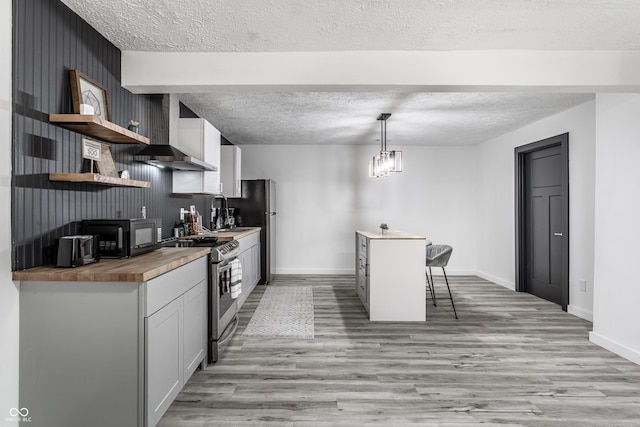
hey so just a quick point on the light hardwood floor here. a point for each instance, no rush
(511, 359)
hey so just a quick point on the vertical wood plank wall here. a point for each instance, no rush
(49, 40)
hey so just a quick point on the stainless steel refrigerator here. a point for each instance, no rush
(257, 207)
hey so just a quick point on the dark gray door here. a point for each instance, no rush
(542, 219)
(544, 223)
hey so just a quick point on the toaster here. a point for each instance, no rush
(74, 251)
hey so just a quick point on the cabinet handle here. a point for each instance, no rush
(557, 234)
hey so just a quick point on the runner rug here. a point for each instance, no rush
(283, 312)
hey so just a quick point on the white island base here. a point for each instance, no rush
(390, 278)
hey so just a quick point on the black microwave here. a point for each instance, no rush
(123, 238)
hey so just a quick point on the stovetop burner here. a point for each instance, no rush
(220, 251)
(205, 241)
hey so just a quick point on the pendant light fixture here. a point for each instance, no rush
(386, 162)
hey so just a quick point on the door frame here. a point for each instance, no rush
(561, 140)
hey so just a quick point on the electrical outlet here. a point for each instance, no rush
(583, 285)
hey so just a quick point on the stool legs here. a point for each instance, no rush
(432, 289)
(430, 285)
(450, 296)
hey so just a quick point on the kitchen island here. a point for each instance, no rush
(111, 343)
(390, 278)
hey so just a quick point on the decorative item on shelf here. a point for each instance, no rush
(386, 162)
(383, 228)
(85, 90)
(124, 174)
(91, 150)
(106, 166)
(87, 110)
(133, 126)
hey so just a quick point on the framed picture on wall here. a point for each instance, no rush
(85, 90)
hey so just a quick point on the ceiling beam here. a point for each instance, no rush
(411, 71)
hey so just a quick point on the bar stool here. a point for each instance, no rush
(438, 256)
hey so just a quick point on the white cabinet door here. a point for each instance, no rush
(255, 258)
(195, 327)
(230, 170)
(198, 138)
(250, 259)
(164, 366)
(245, 260)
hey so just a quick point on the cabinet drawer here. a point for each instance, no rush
(169, 286)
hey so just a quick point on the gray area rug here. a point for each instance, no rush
(283, 312)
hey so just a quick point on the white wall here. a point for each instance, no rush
(496, 209)
(8, 291)
(324, 194)
(617, 222)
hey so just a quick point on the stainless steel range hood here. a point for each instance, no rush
(171, 158)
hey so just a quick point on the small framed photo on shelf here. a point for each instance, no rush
(86, 91)
(91, 149)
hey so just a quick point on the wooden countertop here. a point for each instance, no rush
(137, 269)
(390, 235)
(232, 234)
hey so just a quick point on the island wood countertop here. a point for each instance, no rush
(230, 234)
(390, 235)
(140, 268)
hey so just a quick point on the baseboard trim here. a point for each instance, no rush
(437, 271)
(614, 347)
(583, 314)
(486, 276)
(322, 271)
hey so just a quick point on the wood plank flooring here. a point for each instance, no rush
(511, 359)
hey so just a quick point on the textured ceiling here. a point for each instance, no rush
(318, 25)
(350, 118)
(329, 25)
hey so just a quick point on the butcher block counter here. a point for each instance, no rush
(136, 269)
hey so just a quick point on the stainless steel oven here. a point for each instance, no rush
(223, 310)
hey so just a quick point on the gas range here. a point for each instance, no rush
(220, 251)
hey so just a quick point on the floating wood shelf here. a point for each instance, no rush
(98, 128)
(94, 178)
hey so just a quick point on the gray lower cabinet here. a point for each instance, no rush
(110, 353)
(195, 328)
(164, 358)
(249, 256)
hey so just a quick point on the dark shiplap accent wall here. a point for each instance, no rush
(49, 40)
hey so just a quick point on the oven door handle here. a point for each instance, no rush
(223, 269)
(229, 331)
(226, 267)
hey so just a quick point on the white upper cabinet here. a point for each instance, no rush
(198, 138)
(230, 164)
